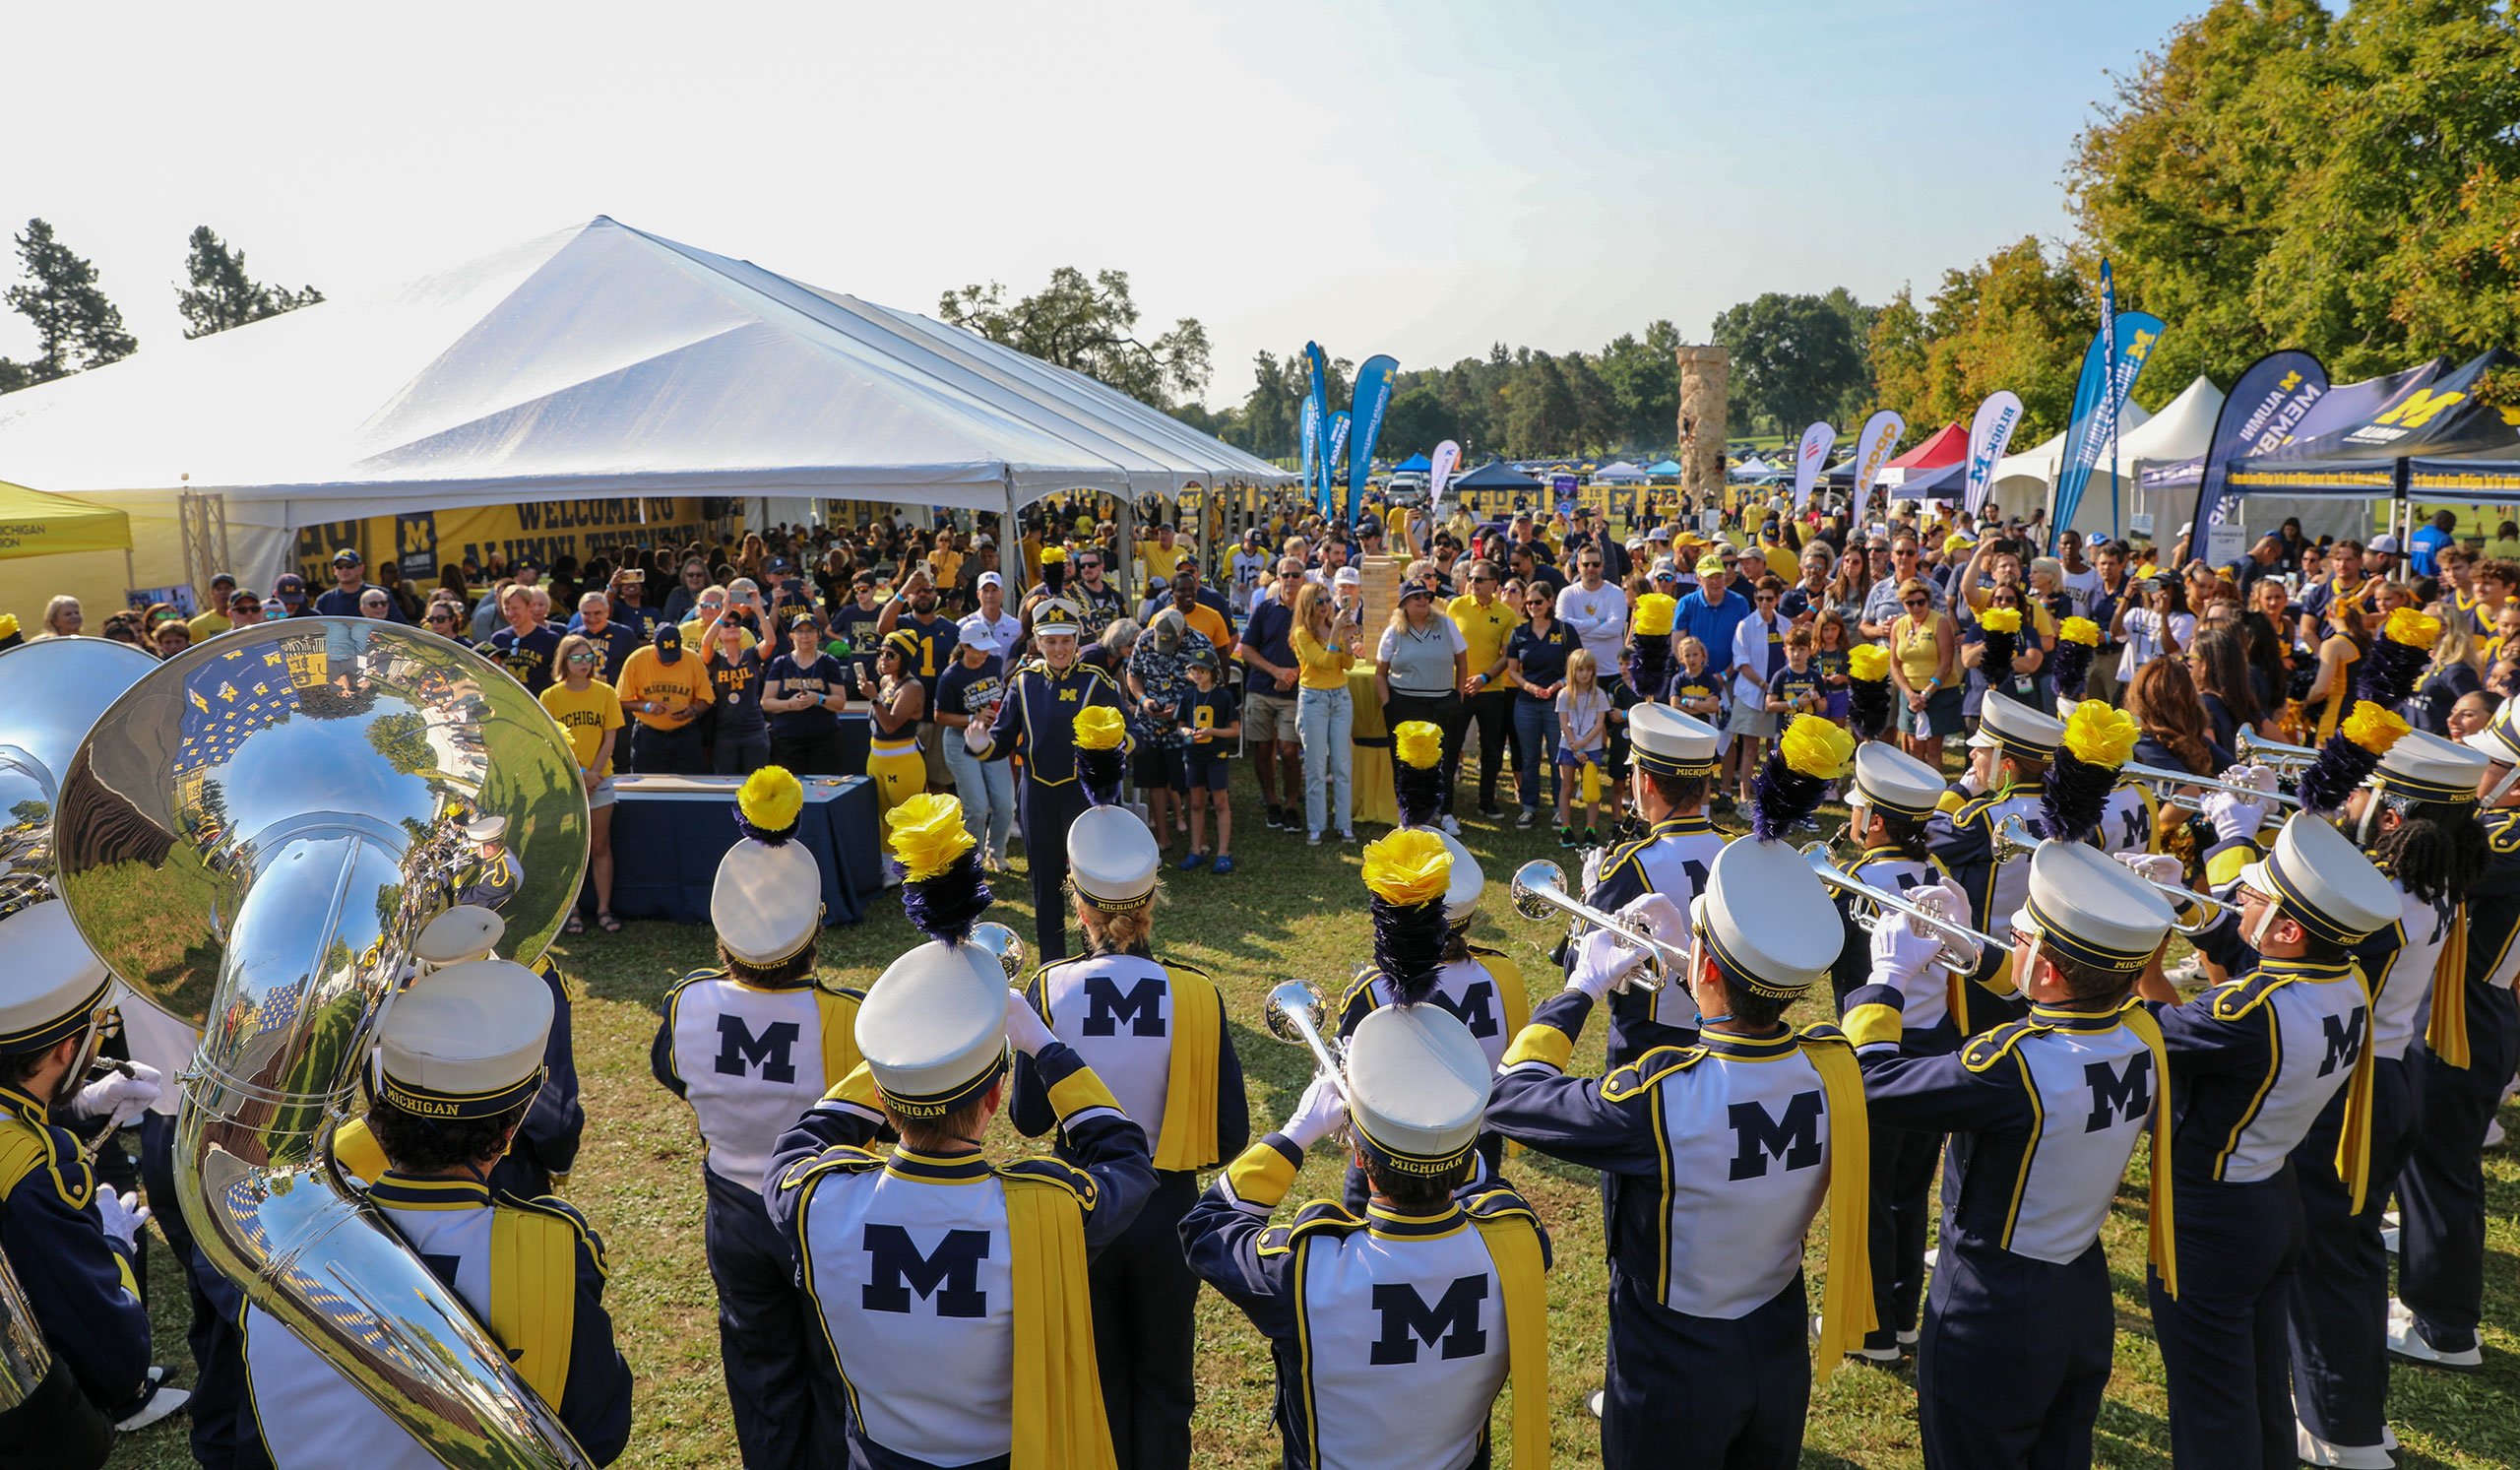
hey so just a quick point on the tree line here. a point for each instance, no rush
(78, 327)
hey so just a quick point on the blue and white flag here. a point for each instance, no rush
(1440, 474)
(2109, 370)
(1365, 408)
(1333, 456)
(2267, 403)
(1316, 409)
(1990, 432)
(1809, 460)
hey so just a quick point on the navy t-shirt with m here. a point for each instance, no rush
(824, 675)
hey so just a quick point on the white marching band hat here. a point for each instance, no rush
(1112, 859)
(2426, 767)
(1766, 919)
(1417, 1086)
(53, 981)
(466, 931)
(488, 828)
(2089, 908)
(1664, 741)
(767, 903)
(1466, 883)
(933, 1028)
(2321, 880)
(2014, 728)
(1058, 615)
(466, 1041)
(1893, 781)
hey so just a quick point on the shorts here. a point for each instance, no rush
(1270, 715)
(1940, 716)
(601, 796)
(1752, 723)
(1206, 772)
(1159, 768)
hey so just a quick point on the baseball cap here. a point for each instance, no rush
(668, 643)
(346, 556)
(2386, 546)
(227, 576)
(1168, 627)
(242, 600)
(979, 635)
(1710, 564)
(273, 608)
(1659, 534)
(1664, 566)
(991, 579)
(1345, 576)
(291, 588)
(1204, 657)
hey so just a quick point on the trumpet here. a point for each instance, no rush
(2257, 750)
(1962, 946)
(2167, 785)
(2013, 839)
(1002, 943)
(1540, 890)
(1294, 1014)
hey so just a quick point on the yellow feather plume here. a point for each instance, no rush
(2080, 630)
(2370, 725)
(8, 623)
(2412, 627)
(770, 799)
(1654, 614)
(1816, 747)
(1098, 727)
(2000, 620)
(926, 833)
(1418, 743)
(1410, 866)
(1869, 662)
(1053, 556)
(2100, 735)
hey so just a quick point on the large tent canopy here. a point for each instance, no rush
(35, 524)
(2431, 440)
(1623, 471)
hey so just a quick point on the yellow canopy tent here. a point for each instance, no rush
(35, 524)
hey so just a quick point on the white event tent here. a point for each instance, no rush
(595, 362)
(2181, 431)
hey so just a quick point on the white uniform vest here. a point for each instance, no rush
(1117, 1011)
(1469, 992)
(1677, 864)
(1405, 1346)
(1926, 997)
(2402, 995)
(2320, 1027)
(751, 1063)
(1746, 1151)
(2093, 1093)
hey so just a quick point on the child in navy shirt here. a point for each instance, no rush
(1209, 716)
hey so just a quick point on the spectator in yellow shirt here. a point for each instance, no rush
(209, 624)
(668, 691)
(1163, 555)
(1488, 623)
(589, 715)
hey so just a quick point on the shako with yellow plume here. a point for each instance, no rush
(766, 901)
(2078, 639)
(2002, 628)
(943, 892)
(1812, 752)
(2083, 771)
(1101, 739)
(1408, 874)
(1867, 689)
(1416, 772)
(1646, 662)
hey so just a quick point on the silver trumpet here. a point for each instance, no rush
(2285, 759)
(1962, 946)
(1540, 891)
(2013, 839)
(1003, 943)
(1294, 1014)
(2167, 785)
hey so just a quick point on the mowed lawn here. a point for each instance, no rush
(1294, 910)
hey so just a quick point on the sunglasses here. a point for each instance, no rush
(441, 618)
(581, 657)
(1917, 601)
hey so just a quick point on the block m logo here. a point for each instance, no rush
(2114, 1095)
(2343, 1040)
(736, 1046)
(2420, 407)
(1407, 1321)
(1477, 1008)
(952, 1275)
(1795, 1139)
(1109, 1009)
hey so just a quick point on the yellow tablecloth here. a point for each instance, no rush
(1371, 796)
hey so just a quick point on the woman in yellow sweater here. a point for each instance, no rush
(1325, 641)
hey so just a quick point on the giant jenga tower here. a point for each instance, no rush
(1706, 374)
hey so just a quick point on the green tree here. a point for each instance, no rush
(1645, 378)
(223, 296)
(1795, 359)
(2014, 320)
(1089, 325)
(75, 325)
(1541, 415)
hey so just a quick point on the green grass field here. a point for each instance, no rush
(1293, 911)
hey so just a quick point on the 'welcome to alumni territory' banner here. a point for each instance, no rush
(422, 540)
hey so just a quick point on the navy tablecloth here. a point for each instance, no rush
(669, 831)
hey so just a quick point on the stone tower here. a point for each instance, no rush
(1706, 374)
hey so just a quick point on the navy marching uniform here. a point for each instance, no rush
(1721, 1153)
(1038, 720)
(952, 1293)
(54, 1221)
(1962, 838)
(2045, 1112)
(2442, 1187)
(1154, 1031)
(2255, 1063)
(1392, 1328)
(462, 1043)
(749, 1046)
(1673, 859)
(1903, 793)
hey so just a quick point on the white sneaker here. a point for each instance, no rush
(1933, 1257)
(1907, 1338)
(1869, 1355)
(2494, 1132)
(2314, 1450)
(2390, 1235)
(1315, 840)
(161, 1402)
(1451, 828)
(2405, 1340)
(1593, 1403)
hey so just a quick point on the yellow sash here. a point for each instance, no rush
(2447, 1033)
(1846, 1305)
(2353, 1137)
(533, 1296)
(354, 1152)
(2165, 1236)
(1511, 993)
(1058, 1392)
(1514, 1246)
(839, 1015)
(1189, 1138)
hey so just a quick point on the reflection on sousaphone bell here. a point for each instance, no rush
(1002, 943)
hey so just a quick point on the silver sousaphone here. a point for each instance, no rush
(252, 838)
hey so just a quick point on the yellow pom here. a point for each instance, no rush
(2100, 735)
(1418, 743)
(2000, 620)
(2373, 726)
(1098, 727)
(1053, 556)
(1410, 866)
(2414, 628)
(770, 799)
(1869, 662)
(8, 625)
(1654, 614)
(926, 833)
(2080, 630)
(1816, 747)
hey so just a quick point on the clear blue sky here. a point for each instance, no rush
(1416, 178)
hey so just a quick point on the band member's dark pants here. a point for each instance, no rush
(214, 1399)
(1046, 813)
(55, 1428)
(2340, 1300)
(2013, 1358)
(2442, 1190)
(2223, 1338)
(1703, 1393)
(783, 1398)
(1902, 1161)
(1145, 1340)
(1492, 713)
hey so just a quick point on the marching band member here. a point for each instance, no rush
(953, 1294)
(460, 1061)
(2015, 1351)
(1154, 1030)
(1429, 1299)
(1039, 721)
(1892, 797)
(2008, 764)
(1675, 759)
(1719, 1155)
(70, 1243)
(2442, 1189)
(751, 1045)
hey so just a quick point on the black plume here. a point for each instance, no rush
(2328, 780)
(1646, 663)
(946, 906)
(2074, 796)
(1782, 798)
(2389, 672)
(2072, 663)
(1418, 791)
(1867, 706)
(1099, 771)
(1409, 947)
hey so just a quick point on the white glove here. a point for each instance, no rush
(2233, 819)
(2261, 777)
(1025, 1028)
(976, 737)
(123, 1215)
(117, 1099)
(2155, 867)
(1670, 924)
(1320, 1113)
(1898, 954)
(1600, 963)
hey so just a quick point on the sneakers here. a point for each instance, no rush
(1451, 828)
(1906, 1337)
(1528, 818)
(1224, 865)
(1192, 862)
(1277, 819)
(1490, 814)
(1876, 1347)
(2407, 1340)
(1566, 837)
(2494, 1132)
(2391, 1231)
(1593, 1405)
(2313, 1450)
(1347, 834)
(1313, 839)
(155, 1402)
(1592, 839)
